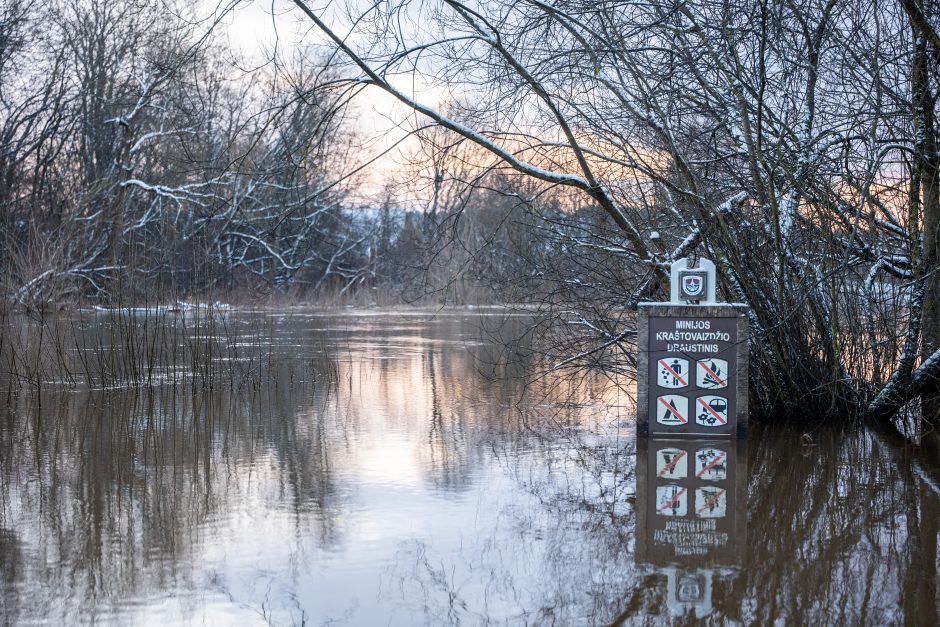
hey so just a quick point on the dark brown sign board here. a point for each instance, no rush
(692, 370)
(691, 499)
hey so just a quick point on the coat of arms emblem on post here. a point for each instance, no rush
(693, 284)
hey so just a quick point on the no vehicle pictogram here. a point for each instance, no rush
(711, 411)
(711, 502)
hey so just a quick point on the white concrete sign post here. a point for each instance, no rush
(692, 377)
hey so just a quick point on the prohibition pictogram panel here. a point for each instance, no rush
(711, 464)
(711, 373)
(672, 463)
(671, 500)
(711, 502)
(672, 372)
(672, 410)
(711, 411)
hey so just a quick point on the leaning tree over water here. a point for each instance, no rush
(793, 142)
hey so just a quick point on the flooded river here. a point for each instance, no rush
(390, 468)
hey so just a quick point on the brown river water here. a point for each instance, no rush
(405, 468)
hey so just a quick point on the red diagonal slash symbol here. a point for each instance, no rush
(714, 413)
(711, 372)
(672, 464)
(673, 410)
(710, 464)
(662, 362)
(711, 500)
(672, 501)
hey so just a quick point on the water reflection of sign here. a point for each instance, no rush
(673, 372)
(689, 590)
(691, 507)
(672, 463)
(711, 502)
(711, 411)
(671, 500)
(711, 464)
(690, 499)
(711, 373)
(673, 410)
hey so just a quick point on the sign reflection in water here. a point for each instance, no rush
(691, 515)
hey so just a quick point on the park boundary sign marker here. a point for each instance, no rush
(692, 384)
(692, 377)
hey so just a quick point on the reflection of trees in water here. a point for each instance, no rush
(842, 531)
(557, 552)
(851, 532)
(484, 401)
(11, 565)
(112, 491)
(116, 491)
(447, 456)
(544, 560)
(112, 495)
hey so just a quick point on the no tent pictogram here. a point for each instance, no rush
(711, 373)
(711, 502)
(671, 500)
(711, 411)
(672, 410)
(672, 463)
(673, 372)
(711, 464)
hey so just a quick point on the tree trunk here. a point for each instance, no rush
(928, 164)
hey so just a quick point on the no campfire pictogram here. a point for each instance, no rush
(711, 411)
(711, 502)
(673, 372)
(671, 500)
(672, 463)
(711, 373)
(672, 410)
(711, 464)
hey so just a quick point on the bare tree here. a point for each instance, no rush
(139, 159)
(781, 139)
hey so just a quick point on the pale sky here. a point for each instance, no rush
(255, 29)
